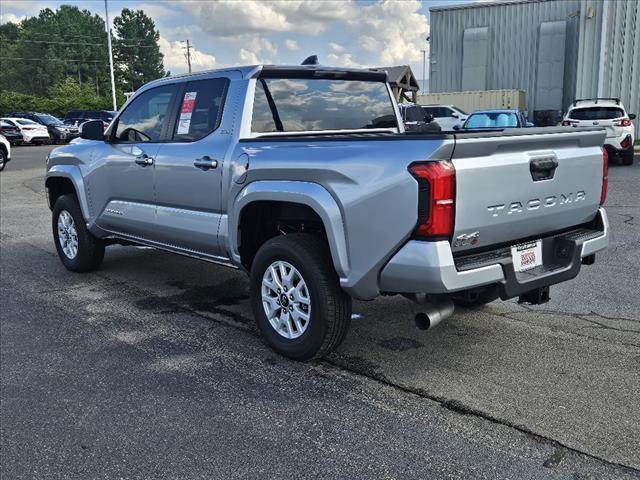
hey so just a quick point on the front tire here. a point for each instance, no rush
(297, 301)
(3, 159)
(77, 248)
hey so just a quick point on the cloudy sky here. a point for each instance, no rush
(340, 32)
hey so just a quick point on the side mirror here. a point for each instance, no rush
(457, 127)
(92, 130)
(632, 116)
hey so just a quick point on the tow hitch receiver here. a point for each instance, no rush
(535, 297)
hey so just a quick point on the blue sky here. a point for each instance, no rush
(345, 33)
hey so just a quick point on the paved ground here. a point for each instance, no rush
(151, 368)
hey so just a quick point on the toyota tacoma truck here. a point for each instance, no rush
(305, 178)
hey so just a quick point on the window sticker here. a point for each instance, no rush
(188, 104)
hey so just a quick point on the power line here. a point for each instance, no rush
(51, 60)
(52, 42)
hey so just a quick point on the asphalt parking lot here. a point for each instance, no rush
(152, 368)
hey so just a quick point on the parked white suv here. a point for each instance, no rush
(5, 152)
(447, 116)
(608, 113)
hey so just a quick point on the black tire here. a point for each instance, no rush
(3, 159)
(90, 250)
(627, 158)
(330, 314)
(477, 297)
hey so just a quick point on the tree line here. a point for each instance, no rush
(58, 60)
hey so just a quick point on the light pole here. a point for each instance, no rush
(424, 63)
(113, 80)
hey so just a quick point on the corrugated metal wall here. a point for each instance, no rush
(513, 38)
(609, 52)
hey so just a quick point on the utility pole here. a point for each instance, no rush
(188, 54)
(113, 80)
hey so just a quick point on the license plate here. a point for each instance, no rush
(527, 255)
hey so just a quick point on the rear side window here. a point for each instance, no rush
(414, 114)
(298, 105)
(200, 110)
(596, 113)
(144, 117)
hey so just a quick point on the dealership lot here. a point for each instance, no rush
(151, 368)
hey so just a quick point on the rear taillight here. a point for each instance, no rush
(436, 198)
(625, 122)
(568, 123)
(605, 175)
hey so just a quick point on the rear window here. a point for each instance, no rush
(24, 121)
(596, 113)
(297, 105)
(492, 120)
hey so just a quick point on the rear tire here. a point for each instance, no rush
(309, 284)
(77, 248)
(627, 158)
(3, 159)
(477, 297)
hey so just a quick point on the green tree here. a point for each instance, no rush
(44, 50)
(136, 52)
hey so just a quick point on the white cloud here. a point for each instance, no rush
(233, 19)
(11, 18)
(248, 57)
(342, 60)
(336, 47)
(291, 44)
(175, 61)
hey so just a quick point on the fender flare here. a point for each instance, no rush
(310, 194)
(72, 173)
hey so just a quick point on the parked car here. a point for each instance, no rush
(304, 193)
(415, 119)
(611, 114)
(78, 117)
(32, 132)
(10, 132)
(58, 131)
(447, 116)
(496, 118)
(5, 152)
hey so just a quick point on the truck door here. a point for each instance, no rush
(121, 186)
(189, 166)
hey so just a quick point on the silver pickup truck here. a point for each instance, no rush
(305, 178)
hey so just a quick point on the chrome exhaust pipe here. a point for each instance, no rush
(436, 309)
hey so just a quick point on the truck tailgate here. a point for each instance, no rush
(507, 188)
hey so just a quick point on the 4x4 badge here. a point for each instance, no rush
(467, 239)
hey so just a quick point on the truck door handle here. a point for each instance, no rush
(144, 160)
(205, 163)
(543, 168)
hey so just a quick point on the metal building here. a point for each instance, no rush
(555, 50)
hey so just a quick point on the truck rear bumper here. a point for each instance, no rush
(430, 267)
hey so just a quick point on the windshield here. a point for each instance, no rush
(596, 113)
(492, 120)
(49, 120)
(302, 104)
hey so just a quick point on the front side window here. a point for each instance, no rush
(596, 113)
(200, 110)
(143, 119)
(302, 104)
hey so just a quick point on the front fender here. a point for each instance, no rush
(72, 173)
(306, 193)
